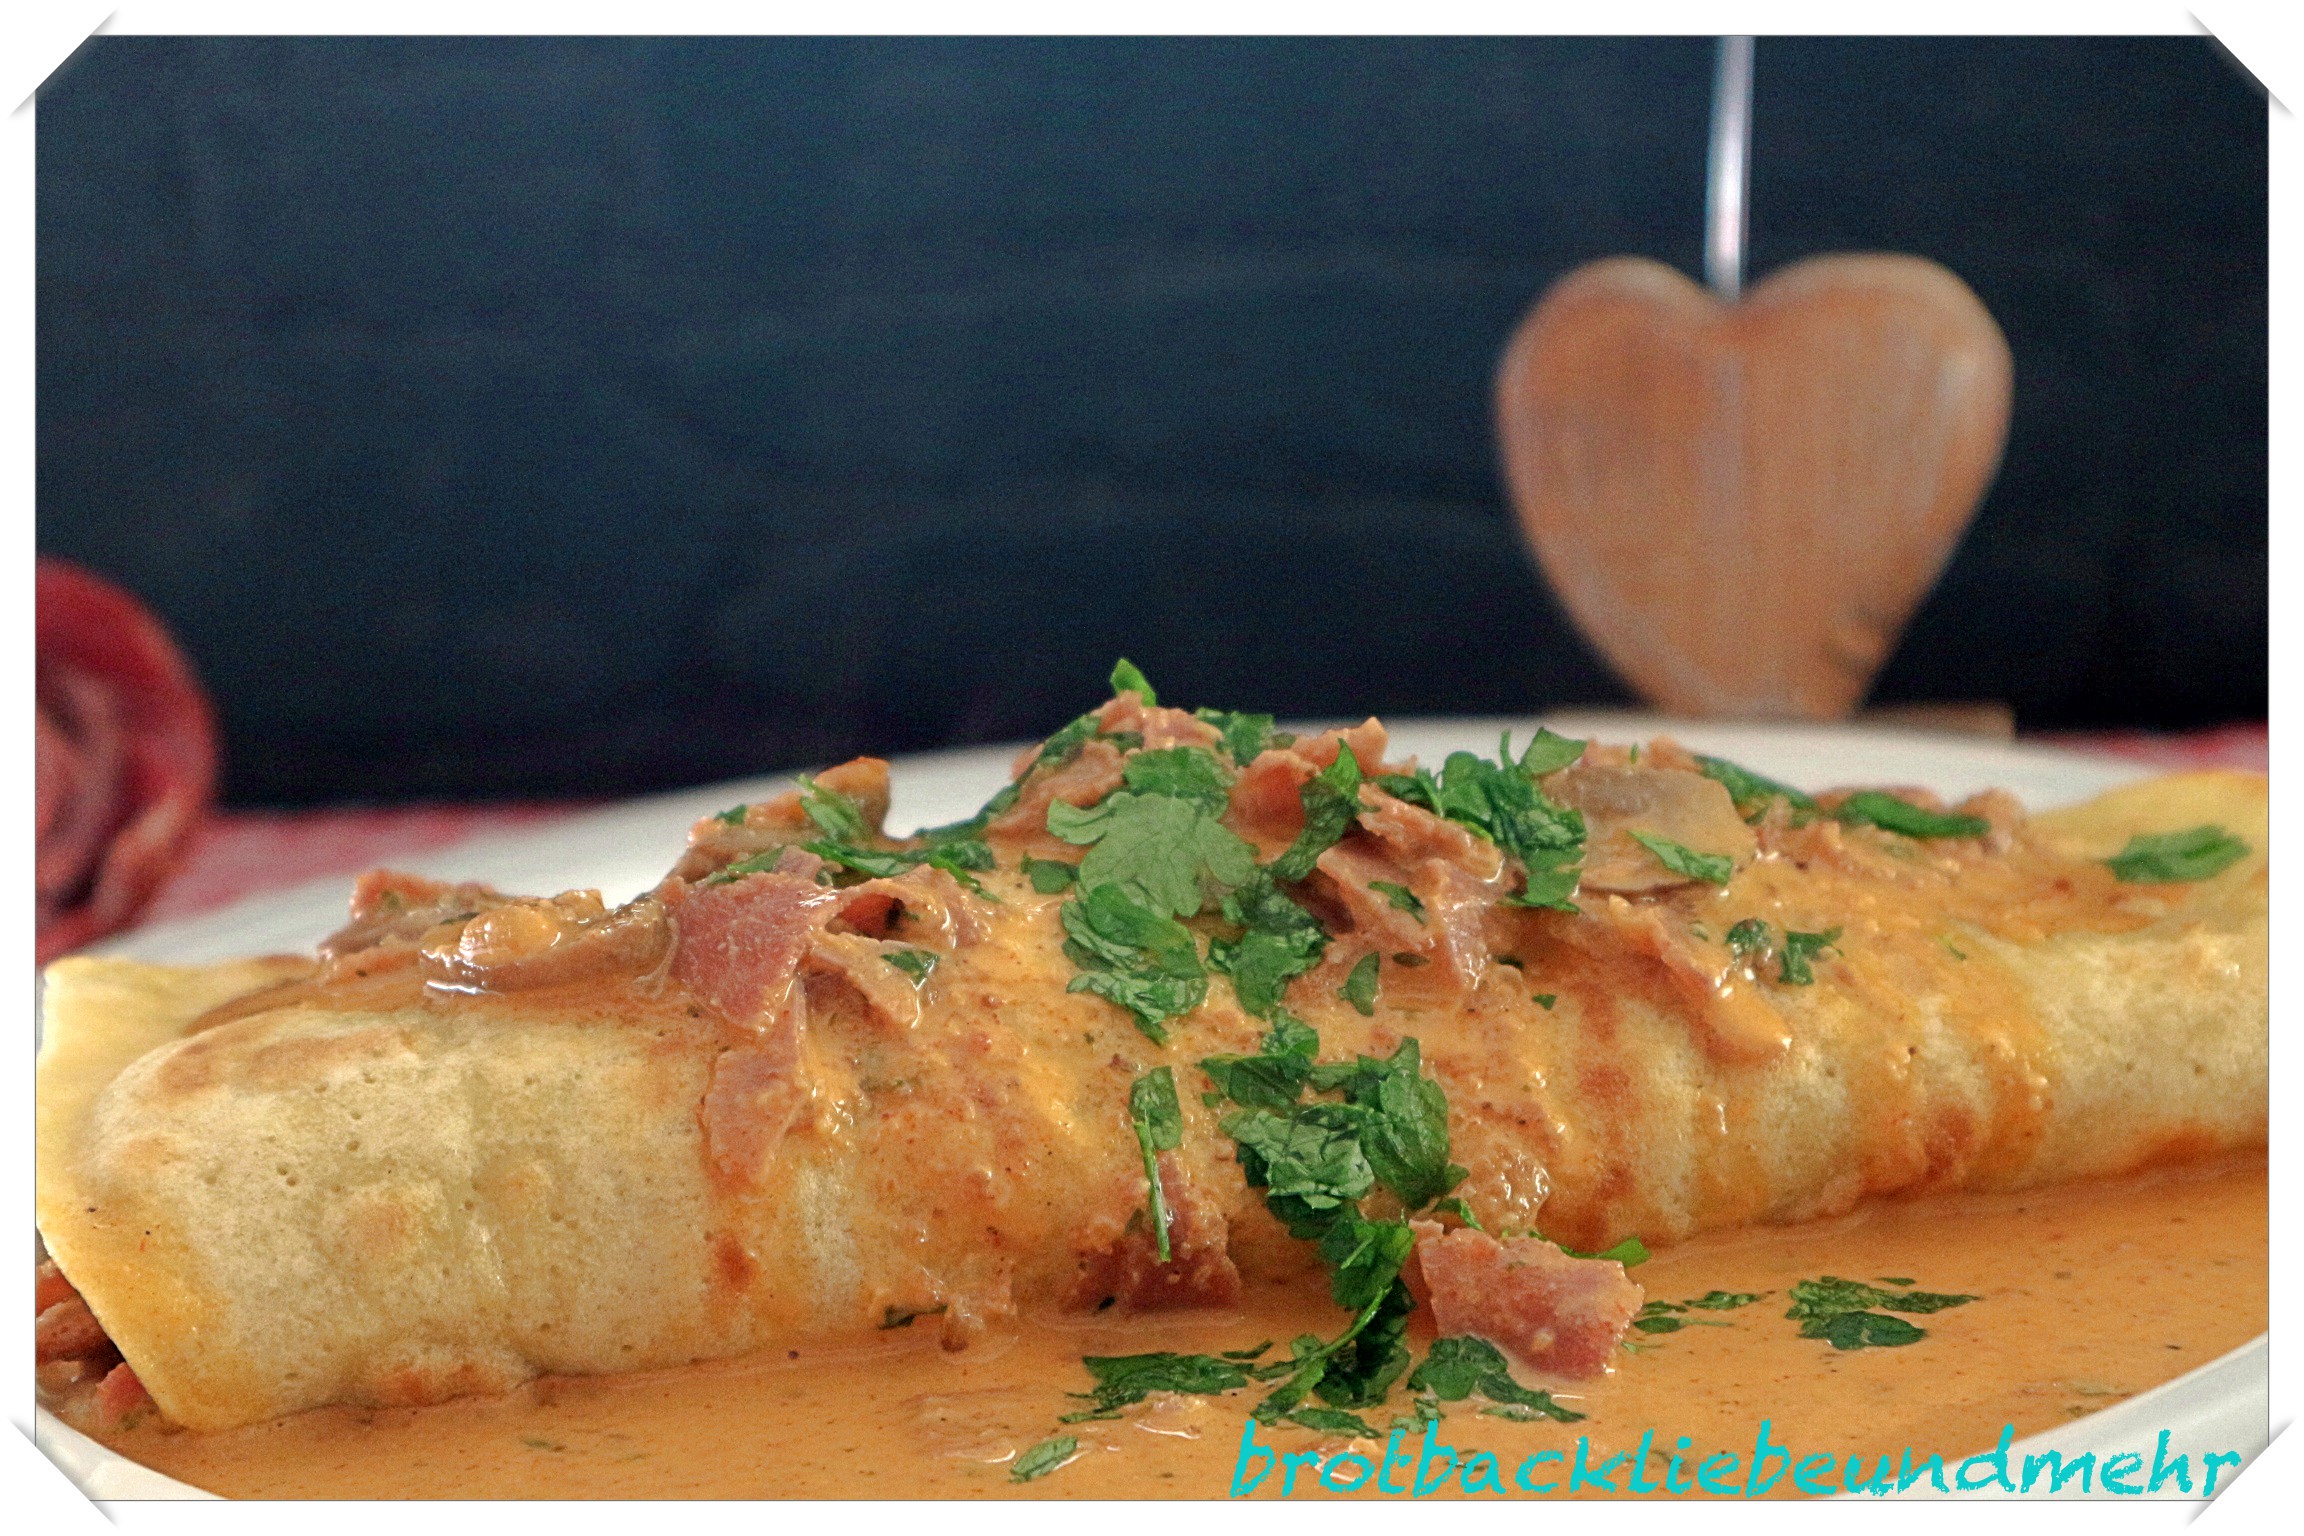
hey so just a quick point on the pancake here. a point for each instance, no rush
(789, 1099)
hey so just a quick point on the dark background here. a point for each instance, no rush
(567, 416)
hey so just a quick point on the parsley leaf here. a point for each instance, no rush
(1245, 736)
(1359, 987)
(1501, 802)
(1750, 937)
(1048, 876)
(1273, 1079)
(1799, 949)
(1547, 753)
(1416, 787)
(1187, 773)
(841, 818)
(1281, 942)
(1043, 1459)
(1629, 1252)
(2166, 857)
(1724, 1301)
(1331, 801)
(1401, 898)
(1308, 1160)
(1159, 1123)
(1871, 807)
(1126, 678)
(876, 862)
(733, 816)
(1157, 849)
(1683, 860)
(1145, 961)
(1748, 789)
(915, 963)
(1405, 1134)
(1334, 1421)
(1124, 1380)
(1463, 1366)
(1842, 1312)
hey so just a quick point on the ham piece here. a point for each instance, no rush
(1548, 1310)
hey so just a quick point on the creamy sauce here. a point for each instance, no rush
(2089, 1294)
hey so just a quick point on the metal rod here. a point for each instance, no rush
(1728, 173)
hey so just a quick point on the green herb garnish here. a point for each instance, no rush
(1545, 1000)
(1145, 961)
(1159, 1123)
(1245, 737)
(1279, 942)
(1273, 1079)
(1159, 850)
(1801, 948)
(1871, 807)
(1125, 1380)
(1049, 876)
(2166, 857)
(1852, 1315)
(1463, 1366)
(1126, 678)
(1359, 987)
(1043, 1459)
(915, 963)
(1501, 801)
(1331, 800)
(1333, 1421)
(1683, 860)
(1750, 937)
(1748, 789)
(733, 816)
(1401, 898)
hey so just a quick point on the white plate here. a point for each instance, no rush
(624, 849)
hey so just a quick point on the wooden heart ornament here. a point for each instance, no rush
(1742, 504)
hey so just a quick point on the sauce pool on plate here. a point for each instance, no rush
(2086, 1294)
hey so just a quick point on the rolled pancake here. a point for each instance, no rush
(395, 1196)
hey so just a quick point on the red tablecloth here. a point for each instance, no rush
(245, 853)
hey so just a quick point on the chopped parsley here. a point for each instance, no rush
(1314, 1161)
(1628, 1252)
(1333, 1421)
(1359, 987)
(1127, 678)
(1331, 800)
(1501, 801)
(1050, 876)
(1416, 787)
(1401, 898)
(1463, 1366)
(2166, 857)
(1852, 1315)
(1545, 1000)
(1669, 1316)
(1751, 791)
(1043, 1459)
(915, 963)
(841, 818)
(1143, 960)
(1279, 941)
(733, 816)
(1273, 1079)
(1245, 737)
(1751, 937)
(1159, 1123)
(1799, 949)
(1186, 773)
(1161, 851)
(1683, 860)
(1873, 808)
(1125, 1380)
